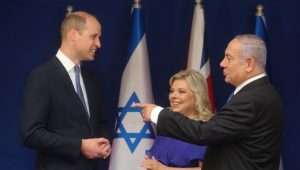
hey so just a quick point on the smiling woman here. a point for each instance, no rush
(189, 96)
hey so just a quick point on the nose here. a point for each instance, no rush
(172, 95)
(222, 63)
(98, 43)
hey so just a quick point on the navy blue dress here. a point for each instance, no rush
(176, 153)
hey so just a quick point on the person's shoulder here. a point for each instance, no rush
(43, 69)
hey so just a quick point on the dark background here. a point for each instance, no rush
(30, 35)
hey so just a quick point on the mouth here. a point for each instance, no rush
(93, 51)
(175, 104)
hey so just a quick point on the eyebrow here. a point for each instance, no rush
(227, 55)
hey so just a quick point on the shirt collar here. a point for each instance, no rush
(66, 61)
(239, 87)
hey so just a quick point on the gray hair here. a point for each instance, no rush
(198, 86)
(253, 46)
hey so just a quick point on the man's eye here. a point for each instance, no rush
(229, 58)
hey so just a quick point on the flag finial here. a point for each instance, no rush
(136, 3)
(69, 10)
(259, 10)
(198, 1)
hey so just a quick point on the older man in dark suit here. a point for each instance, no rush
(246, 133)
(61, 117)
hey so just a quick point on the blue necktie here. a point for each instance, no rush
(78, 86)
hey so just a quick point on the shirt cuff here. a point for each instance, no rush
(155, 113)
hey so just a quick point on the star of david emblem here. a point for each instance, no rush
(130, 125)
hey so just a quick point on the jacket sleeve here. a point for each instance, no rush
(232, 123)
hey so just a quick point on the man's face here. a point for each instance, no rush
(88, 40)
(234, 68)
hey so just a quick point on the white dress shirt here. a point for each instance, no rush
(69, 66)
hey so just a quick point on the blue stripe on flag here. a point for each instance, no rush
(260, 27)
(137, 30)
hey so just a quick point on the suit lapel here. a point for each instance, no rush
(88, 89)
(64, 76)
(68, 85)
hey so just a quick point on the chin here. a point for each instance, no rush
(176, 110)
(91, 58)
(226, 80)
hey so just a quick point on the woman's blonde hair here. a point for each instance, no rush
(198, 86)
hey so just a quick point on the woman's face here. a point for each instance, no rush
(181, 98)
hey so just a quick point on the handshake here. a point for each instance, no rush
(94, 148)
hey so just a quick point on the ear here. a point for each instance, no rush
(73, 35)
(250, 64)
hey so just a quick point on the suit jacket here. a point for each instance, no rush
(244, 135)
(54, 120)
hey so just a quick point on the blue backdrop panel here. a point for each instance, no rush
(30, 36)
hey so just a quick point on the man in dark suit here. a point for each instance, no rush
(246, 133)
(61, 117)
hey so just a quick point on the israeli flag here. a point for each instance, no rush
(133, 136)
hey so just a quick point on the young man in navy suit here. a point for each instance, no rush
(246, 133)
(61, 117)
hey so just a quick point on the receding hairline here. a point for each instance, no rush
(83, 14)
(76, 20)
(249, 39)
(253, 45)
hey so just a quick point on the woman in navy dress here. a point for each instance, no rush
(188, 95)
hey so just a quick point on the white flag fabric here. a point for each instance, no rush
(196, 58)
(196, 40)
(133, 136)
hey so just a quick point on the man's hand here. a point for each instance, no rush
(106, 150)
(146, 110)
(95, 148)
